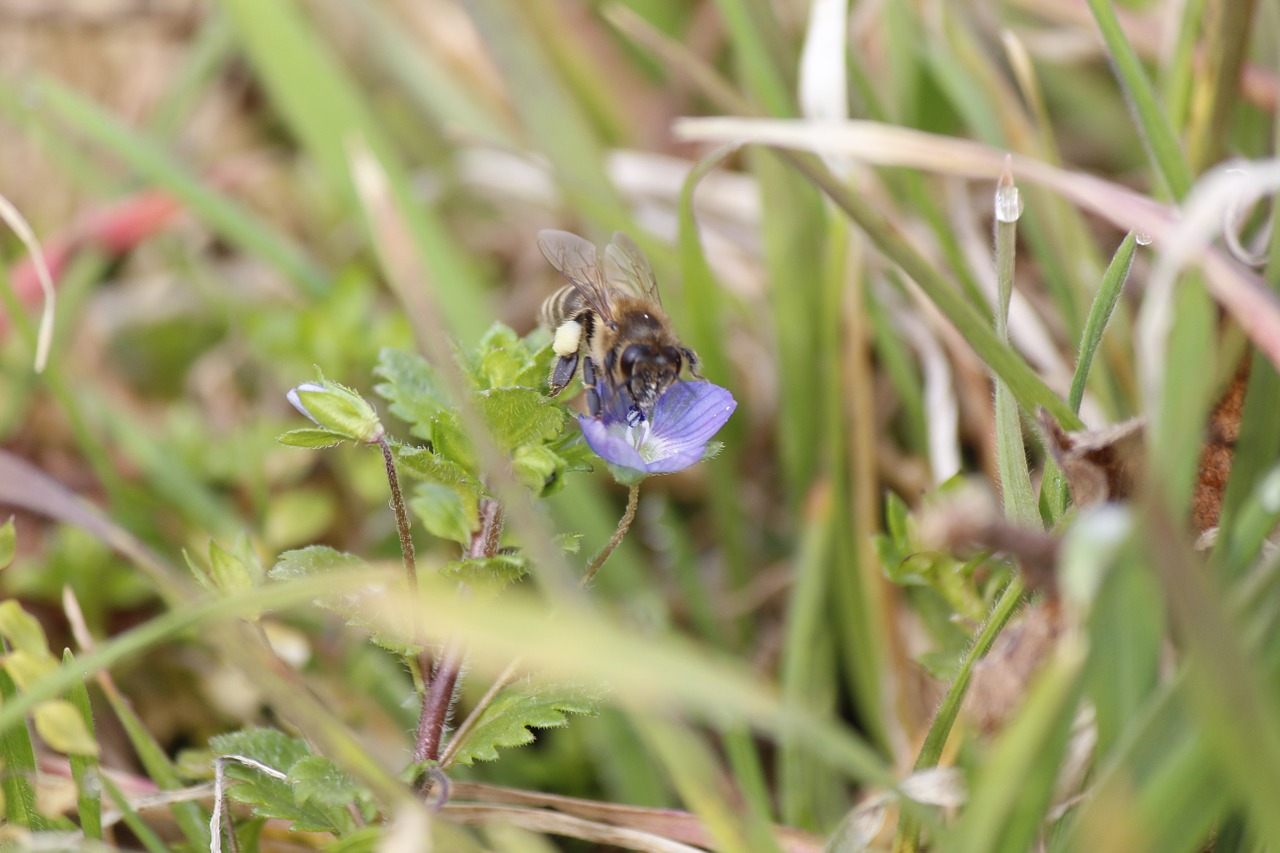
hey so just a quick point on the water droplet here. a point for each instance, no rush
(1008, 203)
(1142, 238)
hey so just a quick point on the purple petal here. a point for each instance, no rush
(292, 396)
(610, 444)
(685, 419)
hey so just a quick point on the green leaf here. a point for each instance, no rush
(520, 416)
(539, 469)
(313, 560)
(8, 543)
(17, 769)
(519, 709)
(26, 668)
(231, 572)
(60, 725)
(318, 780)
(22, 630)
(412, 388)
(84, 769)
(452, 444)
(570, 543)
(487, 573)
(504, 360)
(445, 512)
(271, 797)
(312, 438)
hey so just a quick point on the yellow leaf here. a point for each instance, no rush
(60, 725)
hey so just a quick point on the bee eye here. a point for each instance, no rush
(631, 355)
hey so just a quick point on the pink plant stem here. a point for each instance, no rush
(437, 698)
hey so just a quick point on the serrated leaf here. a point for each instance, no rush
(428, 465)
(312, 438)
(452, 444)
(505, 360)
(313, 560)
(21, 629)
(510, 719)
(8, 543)
(412, 388)
(26, 668)
(444, 512)
(271, 797)
(539, 469)
(60, 725)
(487, 573)
(318, 780)
(520, 416)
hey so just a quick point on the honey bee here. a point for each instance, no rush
(610, 318)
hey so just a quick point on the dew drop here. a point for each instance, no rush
(1008, 203)
(1142, 238)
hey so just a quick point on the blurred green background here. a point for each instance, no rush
(187, 165)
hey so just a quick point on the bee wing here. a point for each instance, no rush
(576, 260)
(626, 265)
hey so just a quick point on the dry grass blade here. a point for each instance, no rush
(667, 823)
(1182, 237)
(18, 223)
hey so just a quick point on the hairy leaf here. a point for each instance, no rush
(313, 560)
(509, 721)
(271, 797)
(489, 574)
(520, 416)
(316, 779)
(413, 389)
(312, 438)
(445, 512)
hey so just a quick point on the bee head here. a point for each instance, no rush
(647, 370)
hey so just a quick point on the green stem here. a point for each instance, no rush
(633, 500)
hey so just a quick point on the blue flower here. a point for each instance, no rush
(685, 418)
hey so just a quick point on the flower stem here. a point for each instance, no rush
(402, 517)
(633, 500)
(437, 697)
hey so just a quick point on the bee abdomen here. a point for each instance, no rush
(565, 304)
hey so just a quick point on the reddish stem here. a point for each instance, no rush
(437, 697)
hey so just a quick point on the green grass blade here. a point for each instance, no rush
(1011, 793)
(190, 817)
(949, 709)
(1161, 143)
(555, 120)
(1020, 504)
(234, 222)
(133, 820)
(328, 114)
(1104, 303)
(18, 771)
(84, 769)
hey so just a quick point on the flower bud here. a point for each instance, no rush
(337, 408)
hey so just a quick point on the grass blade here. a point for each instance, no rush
(235, 223)
(85, 769)
(18, 772)
(1162, 145)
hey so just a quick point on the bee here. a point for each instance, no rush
(610, 318)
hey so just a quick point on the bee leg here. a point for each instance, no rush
(589, 379)
(562, 373)
(692, 358)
